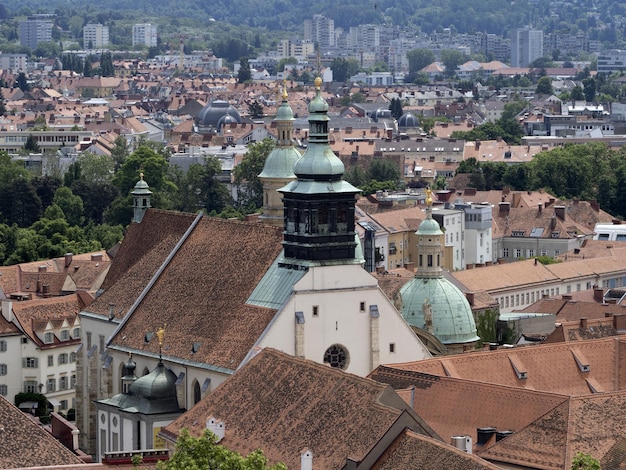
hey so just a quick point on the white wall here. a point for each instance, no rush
(338, 292)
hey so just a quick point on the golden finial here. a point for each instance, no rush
(141, 176)
(318, 82)
(284, 89)
(429, 197)
(161, 334)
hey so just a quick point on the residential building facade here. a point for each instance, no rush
(526, 46)
(95, 36)
(33, 31)
(145, 34)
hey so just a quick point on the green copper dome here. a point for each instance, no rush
(141, 188)
(280, 163)
(429, 227)
(318, 104)
(452, 318)
(284, 112)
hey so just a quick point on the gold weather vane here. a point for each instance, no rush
(161, 336)
(429, 197)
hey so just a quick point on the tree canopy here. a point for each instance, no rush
(203, 453)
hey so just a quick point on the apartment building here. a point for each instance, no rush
(145, 34)
(95, 36)
(35, 30)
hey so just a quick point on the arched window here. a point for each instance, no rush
(197, 394)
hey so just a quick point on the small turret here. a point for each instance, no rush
(141, 199)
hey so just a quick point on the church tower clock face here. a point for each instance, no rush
(337, 356)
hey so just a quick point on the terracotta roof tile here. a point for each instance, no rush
(414, 451)
(142, 251)
(537, 362)
(34, 315)
(454, 406)
(25, 444)
(201, 294)
(589, 424)
(282, 404)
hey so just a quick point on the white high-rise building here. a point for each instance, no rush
(526, 46)
(145, 34)
(34, 31)
(95, 36)
(320, 30)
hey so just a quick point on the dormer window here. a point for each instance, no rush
(48, 337)
(555, 234)
(518, 233)
(65, 335)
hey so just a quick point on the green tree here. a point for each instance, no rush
(418, 59)
(31, 144)
(244, 74)
(200, 188)
(582, 461)
(383, 170)
(395, 106)
(87, 68)
(119, 152)
(544, 86)
(343, 68)
(577, 94)
(256, 110)
(3, 108)
(451, 59)
(70, 204)
(589, 89)
(280, 66)
(204, 453)
(249, 186)
(355, 176)
(22, 82)
(106, 65)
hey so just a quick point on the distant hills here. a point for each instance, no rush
(601, 19)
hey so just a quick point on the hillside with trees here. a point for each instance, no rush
(602, 19)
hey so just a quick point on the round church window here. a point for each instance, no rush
(337, 356)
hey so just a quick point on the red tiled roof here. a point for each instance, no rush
(23, 443)
(603, 356)
(201, 294)
(412, 451)
(282, 404)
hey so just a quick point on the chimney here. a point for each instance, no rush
(619, 322)
(477, 144)
(470, 298)
(96, 257)
(583, 323)
(553, 222)
(68, 259)
(598, 294)
(306, 459)
(463, 443)
(516, 199)
(595, 206)
(550, 201)
(505, 207)
(539, 208)
(484, 434)
(42, 268)
(560, 212)
(216, 427)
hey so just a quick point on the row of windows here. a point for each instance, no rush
(517, 300)
(65, 383)
(64, 335)
(62, 359)
(529, 253)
